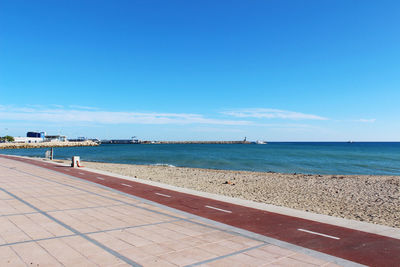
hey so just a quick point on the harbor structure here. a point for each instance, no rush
(56, 138)
(22, 139)
(36, 134)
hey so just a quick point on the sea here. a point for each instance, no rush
(335, 158)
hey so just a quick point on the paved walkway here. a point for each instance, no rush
(48, 218)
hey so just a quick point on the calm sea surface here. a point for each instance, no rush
(299, 157)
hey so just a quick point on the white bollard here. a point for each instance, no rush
(76, 162)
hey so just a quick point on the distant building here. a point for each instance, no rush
(36, 134)
(19, 139)
(78, 139)
(55, 138)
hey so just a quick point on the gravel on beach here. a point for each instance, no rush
(373, 199)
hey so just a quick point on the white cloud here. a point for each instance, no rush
(11, 113)
(268, 113)
(82, 107)
(367, 120)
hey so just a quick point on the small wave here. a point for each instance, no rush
(163, 164)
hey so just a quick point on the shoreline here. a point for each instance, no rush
(369, 198)
(46, 144)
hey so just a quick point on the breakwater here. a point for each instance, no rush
(132, 141)
(46, 144)
(195, 142)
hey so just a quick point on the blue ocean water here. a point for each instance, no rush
(300, 157)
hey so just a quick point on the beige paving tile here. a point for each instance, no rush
(34, 255)
(78, 225)
(144, 233)
(5, 208)
(9, 257)
(84, 247)
(247, 259)
(19, 207)
(12, 261)
(59, 249)
(177, 244)
(245, 241)
(215, 248)
(84, 262)
(188, 256)
(29, 227)
(110, 241)
(156, 249)
(288, 262)
(135, 254)
(49, 225)
(277, 250)
(155, 262)
(217, 236)
(233, 245)
(130, 238)
(193, 241)
(162, 231)
(225, 262)
(263, 255)
(308, 259)
(105, 259)
(11, 233)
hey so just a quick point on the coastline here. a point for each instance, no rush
(368, 198)
(45, 144)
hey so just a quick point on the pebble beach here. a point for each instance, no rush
(368, 198)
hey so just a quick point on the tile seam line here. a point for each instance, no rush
(93, 241)
(36, 240)
(19, 257)
(86, 233)
(45, 249)
(35, 212)
(226, 255)
(216, 225)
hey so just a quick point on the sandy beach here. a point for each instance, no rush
(373, 199)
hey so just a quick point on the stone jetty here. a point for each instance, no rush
(46, 144)
(195, 142)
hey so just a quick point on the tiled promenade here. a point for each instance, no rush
(51, 219)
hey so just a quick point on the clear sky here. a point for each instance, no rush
(273, 70)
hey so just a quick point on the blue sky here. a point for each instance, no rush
(201, 70)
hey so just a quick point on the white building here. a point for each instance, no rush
(19, 139)
(56, 138)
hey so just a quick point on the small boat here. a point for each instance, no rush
(260, 142)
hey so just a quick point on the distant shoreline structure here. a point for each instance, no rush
(46, 144)
(128, 141)
(198, 142)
